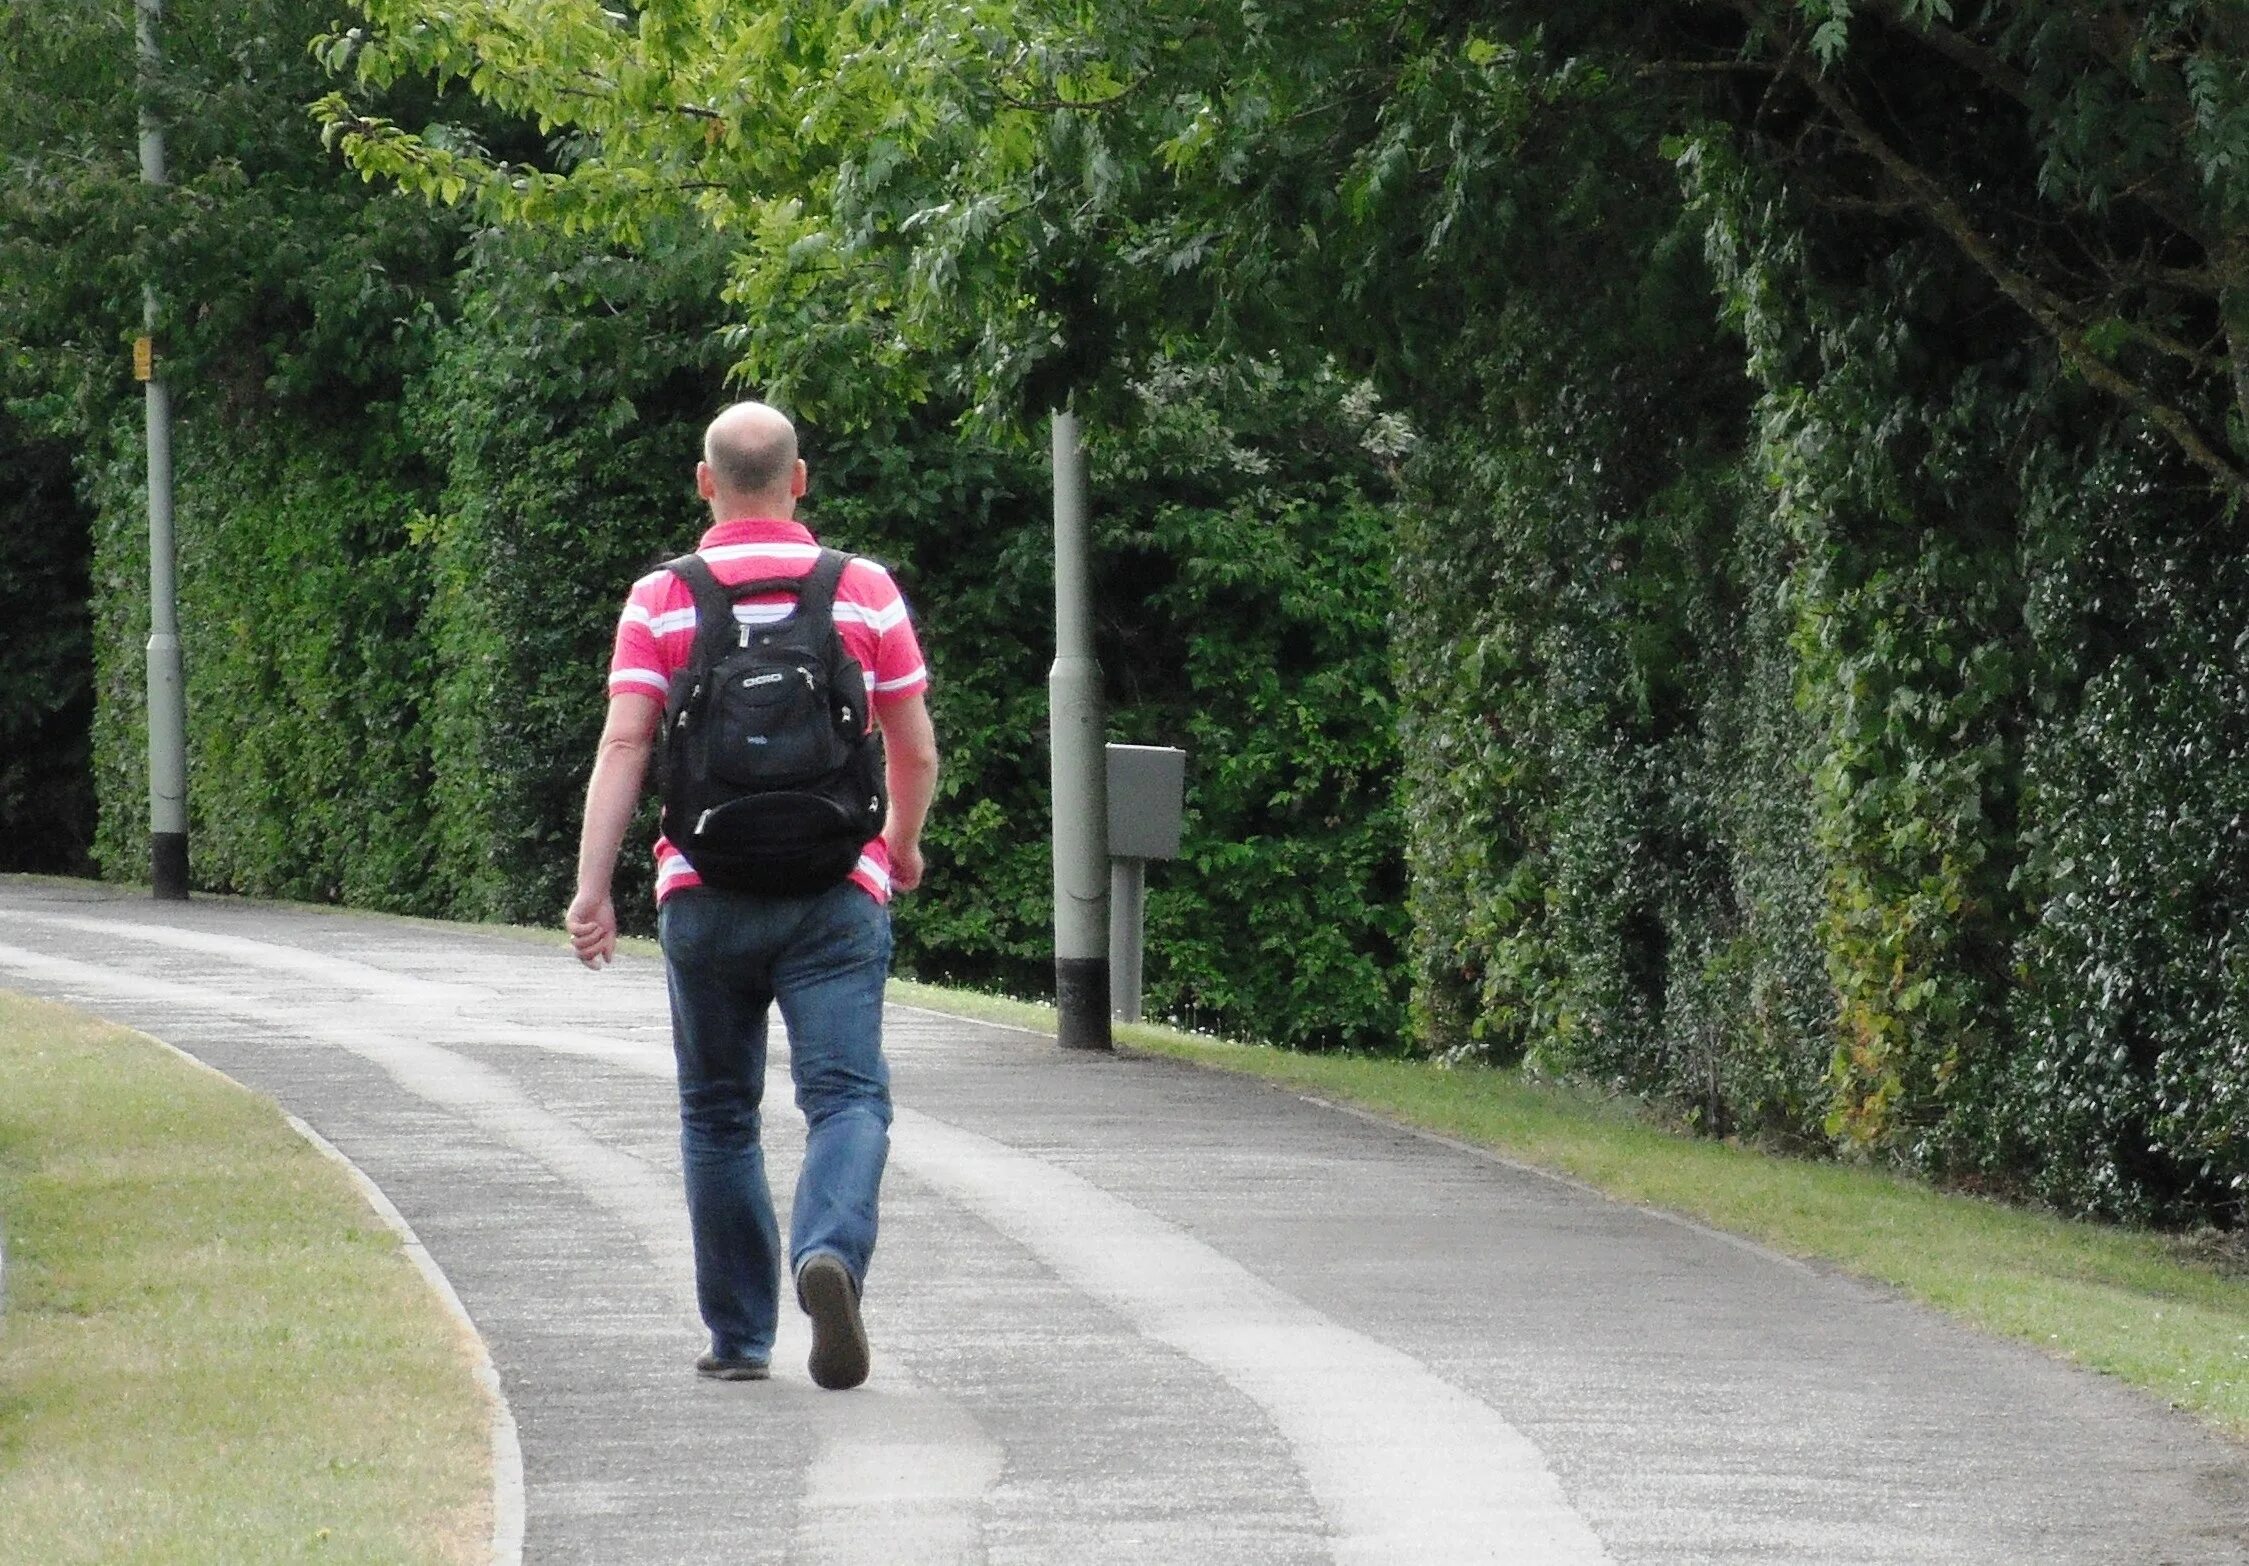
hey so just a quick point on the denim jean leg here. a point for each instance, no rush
(830, 989)
(719, 1004)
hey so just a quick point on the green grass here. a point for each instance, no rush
(2144, 1308)
(213, 1351)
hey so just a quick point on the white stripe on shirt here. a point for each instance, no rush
(675, 621)
(761, 552)
(889, 617)
(662, 624)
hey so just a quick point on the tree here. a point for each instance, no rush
(291, 311)
(1048, 185)
(1827, 425)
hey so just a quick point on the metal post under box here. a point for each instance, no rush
(1147, 800)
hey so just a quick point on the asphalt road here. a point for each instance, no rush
(1123, 1310)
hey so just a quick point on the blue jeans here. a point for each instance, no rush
(727, 957)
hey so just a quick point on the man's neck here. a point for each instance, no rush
(753, 508)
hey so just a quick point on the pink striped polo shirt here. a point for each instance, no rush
(656, 633)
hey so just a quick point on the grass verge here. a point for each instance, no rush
(213, 1351)
(2133, 1305)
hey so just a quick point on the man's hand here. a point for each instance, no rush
(592, 923)
(910, 753)
(905, 865)
(626, 739)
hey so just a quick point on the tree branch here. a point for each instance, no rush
(1995, 71)
(2234, 313)
(1874, 206)
(605, 91)
(1655, 68)
(1993, 68)
(1057, 105)
(2044, 307)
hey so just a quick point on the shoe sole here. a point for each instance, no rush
(839, 1341)
(732, 1370)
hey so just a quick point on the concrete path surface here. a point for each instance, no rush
(1123, 1310)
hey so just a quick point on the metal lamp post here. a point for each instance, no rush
(167, 698)
(1081, 812)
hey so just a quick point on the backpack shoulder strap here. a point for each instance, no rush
(818, 593)
(714, 608)
(714, 601)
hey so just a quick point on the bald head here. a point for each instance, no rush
(750, 462)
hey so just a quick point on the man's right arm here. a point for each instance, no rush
(910, 755)
(611, 797)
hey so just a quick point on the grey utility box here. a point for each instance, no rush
(1147, 796)
(1147, 793)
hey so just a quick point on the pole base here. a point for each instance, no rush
(167, 861)
(1081, 995)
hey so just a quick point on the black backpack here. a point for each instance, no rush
(772, 780)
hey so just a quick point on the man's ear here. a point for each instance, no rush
(800, 480)
(705, 484)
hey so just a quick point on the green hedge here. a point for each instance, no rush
(564, 408)
(1240, 558)
(397, 628)
(299, 594)
(1242, 564)
(1849, 751)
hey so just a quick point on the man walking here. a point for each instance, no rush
(729, 954)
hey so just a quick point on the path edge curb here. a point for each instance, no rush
(506, 1443)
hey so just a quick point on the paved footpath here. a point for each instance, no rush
(1123, 1310)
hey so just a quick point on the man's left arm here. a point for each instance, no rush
(620, 766)
(910, 756)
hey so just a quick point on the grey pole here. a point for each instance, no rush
(1080, 770)
(167, 696)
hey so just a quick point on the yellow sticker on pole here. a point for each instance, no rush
(144, 358)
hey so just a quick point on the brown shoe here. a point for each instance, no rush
(839, 1342)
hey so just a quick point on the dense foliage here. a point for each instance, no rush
(46, 662)
(1786, 456)
(420, 462)
(1819, 680)
(1243, 566)
(1821, 728)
